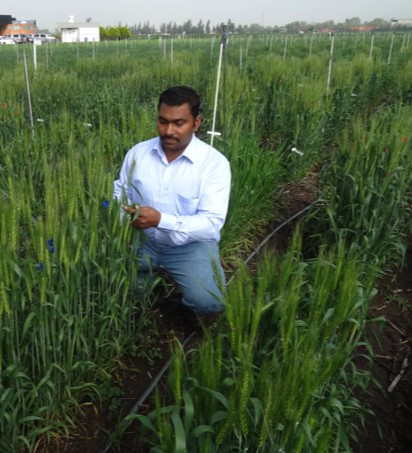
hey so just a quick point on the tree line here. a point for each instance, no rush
(201, 28)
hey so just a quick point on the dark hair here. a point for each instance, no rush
(178, 95)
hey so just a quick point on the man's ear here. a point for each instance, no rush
(198, 122)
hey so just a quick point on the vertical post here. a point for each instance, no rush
(332, 39)
(403, 42)
(371, 48)
(222, 47)
(285, 48)
(47, 57)
(34, 56)
(391, 48)
(26, 77)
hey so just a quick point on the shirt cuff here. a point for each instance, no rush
(167, 221)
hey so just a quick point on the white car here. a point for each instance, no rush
(6, 40)
(44, 37)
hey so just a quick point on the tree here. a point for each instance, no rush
(230, 26)
(353, 22)
(256, 28)
(124, 33)
(188, 27)
(296, 26)
(103, 33)
(113, 33)
(378, 22)
(200, 28)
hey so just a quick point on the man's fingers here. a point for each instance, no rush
(130, 209)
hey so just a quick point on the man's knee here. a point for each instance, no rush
(206, 303)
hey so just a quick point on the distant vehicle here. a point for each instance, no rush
(19, 38)
(43, 37)
(6, 40)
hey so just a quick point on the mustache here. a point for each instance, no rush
(165, 137)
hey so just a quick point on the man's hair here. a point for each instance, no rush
(179, 95)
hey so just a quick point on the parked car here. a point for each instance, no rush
(6, 40)
(44, 37)
(19, 38)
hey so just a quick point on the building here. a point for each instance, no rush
(4, 22)
(73, 31)
(10, 26)
(401, 23)
(363, 28)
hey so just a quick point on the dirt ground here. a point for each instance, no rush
(390, 398)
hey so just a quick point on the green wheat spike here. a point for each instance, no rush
(244, 398)
(4, 303)
(226, 427)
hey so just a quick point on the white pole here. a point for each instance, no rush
(285, 49)
(47, 56)
(403, 42)
(371, 49)
(219, 66)
(34, 56)
(330, 62)
(26, 76)
(391, 48)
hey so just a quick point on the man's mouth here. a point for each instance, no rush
(169, 139)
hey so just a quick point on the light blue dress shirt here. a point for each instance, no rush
(191, 192)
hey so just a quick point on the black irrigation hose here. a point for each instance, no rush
(188, 339)
(279, 227)
(149, 389)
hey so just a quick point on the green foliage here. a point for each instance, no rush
(367, 187)
(276, 377)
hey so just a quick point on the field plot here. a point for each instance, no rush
(278, 372)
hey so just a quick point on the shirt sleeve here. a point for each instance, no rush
(121, 187)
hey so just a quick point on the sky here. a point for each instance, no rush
(48, 13)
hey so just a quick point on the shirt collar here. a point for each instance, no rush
(190, 153)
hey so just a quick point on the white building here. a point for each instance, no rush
(73, 31)
(401, 23)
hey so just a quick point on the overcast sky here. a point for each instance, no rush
(263, 12)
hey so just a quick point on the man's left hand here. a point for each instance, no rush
(148, 217)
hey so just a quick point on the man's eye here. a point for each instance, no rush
(180, 123)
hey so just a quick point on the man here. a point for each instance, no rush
(176, 190)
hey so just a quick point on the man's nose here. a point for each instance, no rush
(169, 129)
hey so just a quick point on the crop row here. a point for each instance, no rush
(67, 303)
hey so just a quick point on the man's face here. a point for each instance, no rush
(176, 125)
